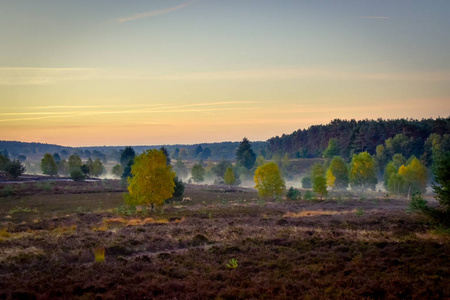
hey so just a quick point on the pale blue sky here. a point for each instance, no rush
(259, 67)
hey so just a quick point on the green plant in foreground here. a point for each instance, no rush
(18, 209)
(308, 196)
(360, 212)
(417, 203)
(8, 191)
(232, 264)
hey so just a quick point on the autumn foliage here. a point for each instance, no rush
(152, 181)
(268, 180)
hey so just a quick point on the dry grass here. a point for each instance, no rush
(19, 254)
(285, 250)
(314, 213)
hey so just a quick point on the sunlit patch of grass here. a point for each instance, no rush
(107, 223)
(313, 213)
(99, 254)
(4, 235)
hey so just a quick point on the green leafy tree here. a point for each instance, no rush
(293, 194)
(268, 180)
(126, 160)
(15, 168)
(245, 155)
(285, 163)
(74, 162)
(320, 186)
(198, 173)
(179, 187)
(318, 180)
(77, 174)
(392, 167)
(117, 170)
(97, 168)
(441, 170)
(332, 149)
(337, 174)
(362, 171)
(85, 170)
(229, 177)
(260, 161)
(152, 180)
(396, 183)
(220, 169)
(48, 165)
(415, 175)
(380, 158)
(409, 179)
(4, 161)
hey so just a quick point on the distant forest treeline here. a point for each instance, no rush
(405, 136)
(205, 151)
(358, 136)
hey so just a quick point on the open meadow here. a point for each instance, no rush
(61, 240)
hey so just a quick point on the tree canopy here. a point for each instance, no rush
(362, 171)
(126, 160)
(229, 176)
(268, 180)
(198, 173)
(48, 165)
(152, 180)
(245, 155)
(337, 174)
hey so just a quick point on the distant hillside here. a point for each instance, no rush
(356, 136)
(15, 148)
(213, 151)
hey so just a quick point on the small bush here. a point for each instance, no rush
(360, 212)
(179, 188)
(15, 168)
(8, 191)
(46, 186)
(308, 196)
(77, 175)
(293, 194)
(417, 203)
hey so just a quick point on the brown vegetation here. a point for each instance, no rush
(343, 248)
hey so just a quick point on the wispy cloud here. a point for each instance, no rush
(40, 76)
(154, 12)
(372, 17)
(207, 107)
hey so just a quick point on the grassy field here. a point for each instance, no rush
(77, 241)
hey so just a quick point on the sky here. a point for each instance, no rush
(152, 72)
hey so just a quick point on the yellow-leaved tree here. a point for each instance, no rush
(268, 180)
(152, 180)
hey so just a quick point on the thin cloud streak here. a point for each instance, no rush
(51, 115)
(372, 17)
(154, 12)
(143, 106)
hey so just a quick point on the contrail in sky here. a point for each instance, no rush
(155, 12)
